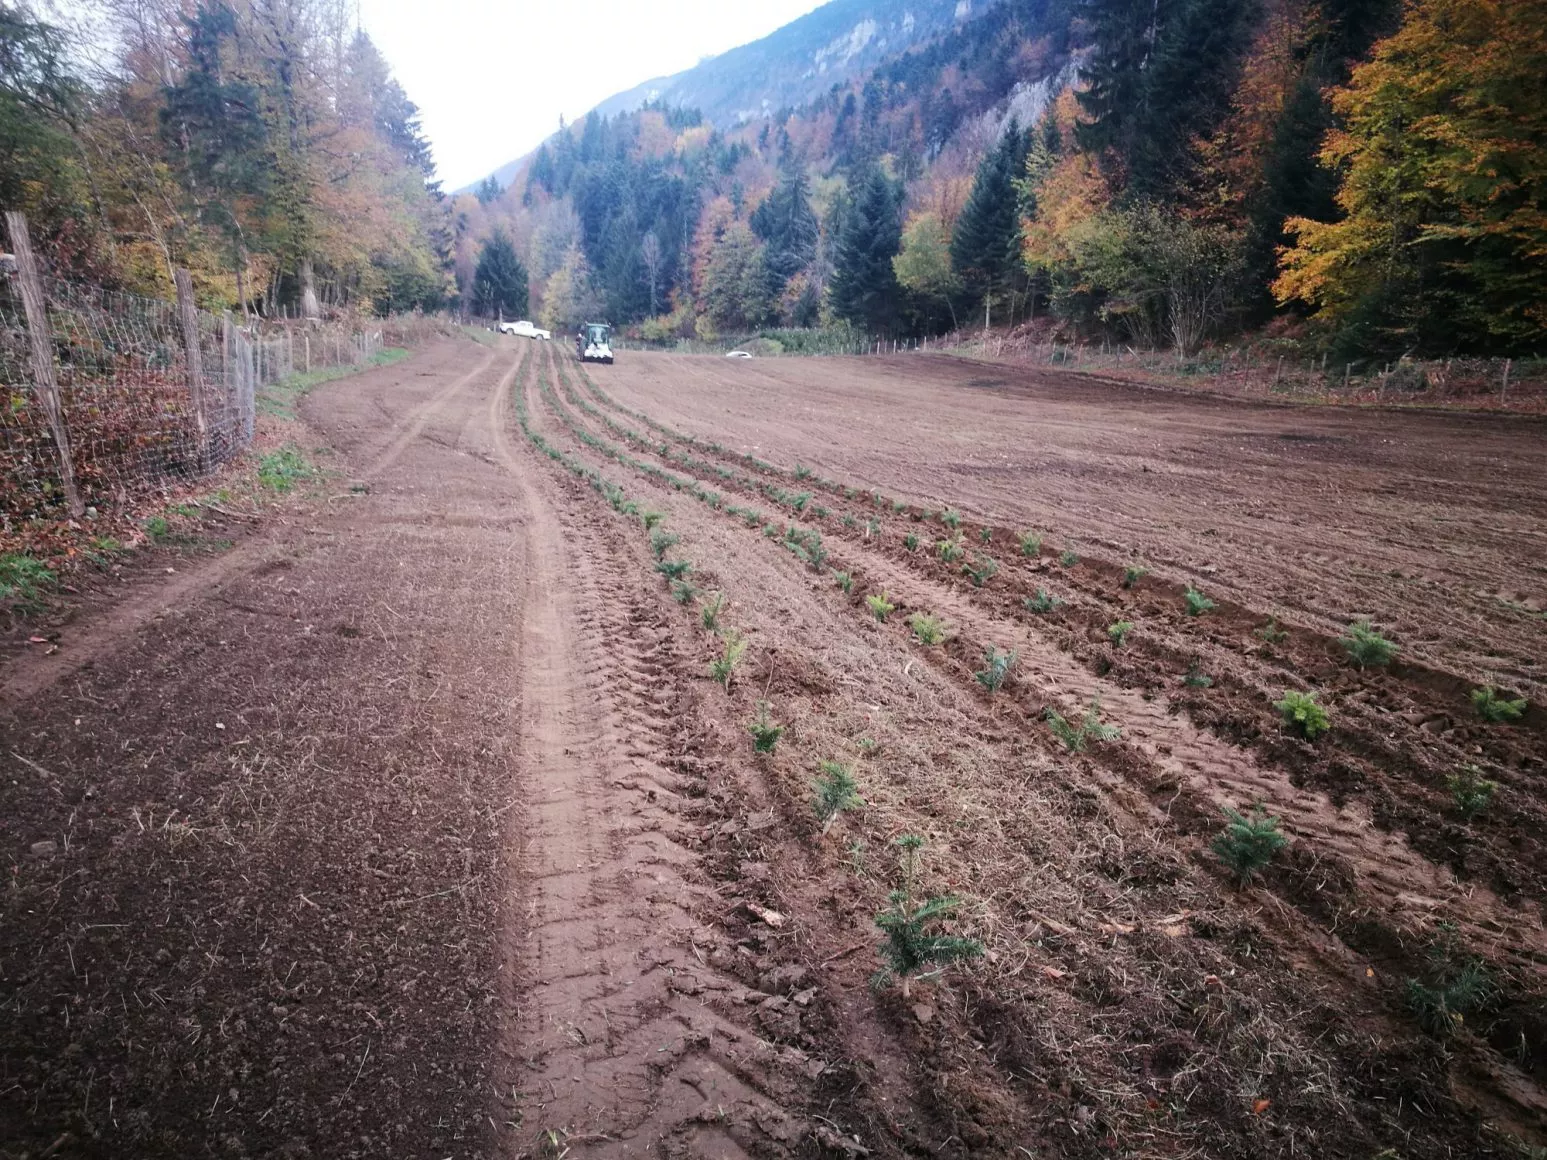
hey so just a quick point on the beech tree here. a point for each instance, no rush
(1442, 240)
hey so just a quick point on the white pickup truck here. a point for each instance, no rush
(524, 329)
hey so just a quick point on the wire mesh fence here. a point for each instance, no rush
(146, 399)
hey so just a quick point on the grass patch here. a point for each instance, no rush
(1195, 603)
(844, 581)
(281, 397)
(22, 578)
(1030, 543)
(1118, 632)
(281, 470)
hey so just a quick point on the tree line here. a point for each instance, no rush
(262, 144)
(1370, 170)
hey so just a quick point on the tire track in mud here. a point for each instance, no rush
(1170, 761)
(612, 1047)
(414, 423)
(30, 674)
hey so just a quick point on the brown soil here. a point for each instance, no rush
(412, 825)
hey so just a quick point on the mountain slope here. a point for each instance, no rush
(794, 64)
(800, 61)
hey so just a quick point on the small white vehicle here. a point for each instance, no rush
(737, 354)
(525, 329)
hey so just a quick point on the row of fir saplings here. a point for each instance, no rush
(915, 946)
(1460, 985)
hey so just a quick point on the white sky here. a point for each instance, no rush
(492, 78)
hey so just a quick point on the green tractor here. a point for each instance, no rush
(594, 343)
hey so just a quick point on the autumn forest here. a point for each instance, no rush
(1156, 172)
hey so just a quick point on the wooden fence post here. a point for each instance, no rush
(189, 313)
(35, 304)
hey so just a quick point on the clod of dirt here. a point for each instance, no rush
(923, 1012)
(785, 979)
(44, 849)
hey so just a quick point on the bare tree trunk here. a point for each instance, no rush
(309, 307)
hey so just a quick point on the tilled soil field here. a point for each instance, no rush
(426, 827)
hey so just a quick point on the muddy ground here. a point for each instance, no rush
(412, 824)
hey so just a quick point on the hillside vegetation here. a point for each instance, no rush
(1155, 173)
(263, 144)
(1368, 175)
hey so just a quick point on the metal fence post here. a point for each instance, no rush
(35, 304)
(189, 314)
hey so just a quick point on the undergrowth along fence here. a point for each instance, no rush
(1272, 368)
(107, 396)
(1278, 369)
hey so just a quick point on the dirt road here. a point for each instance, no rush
(370, 844)
(415, 826)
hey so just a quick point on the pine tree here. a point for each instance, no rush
(864, 286)
(986, 242)
(500, 282)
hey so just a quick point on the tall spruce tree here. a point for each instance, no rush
(1161, 77)
(212, 123)
(788, 227)
(986, 242)
(864, 286)
(499, 282)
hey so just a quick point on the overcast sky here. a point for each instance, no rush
(493, 77)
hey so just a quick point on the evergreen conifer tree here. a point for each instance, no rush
(788, 226)
(864, 286)
(499, 282)
(986, 243)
